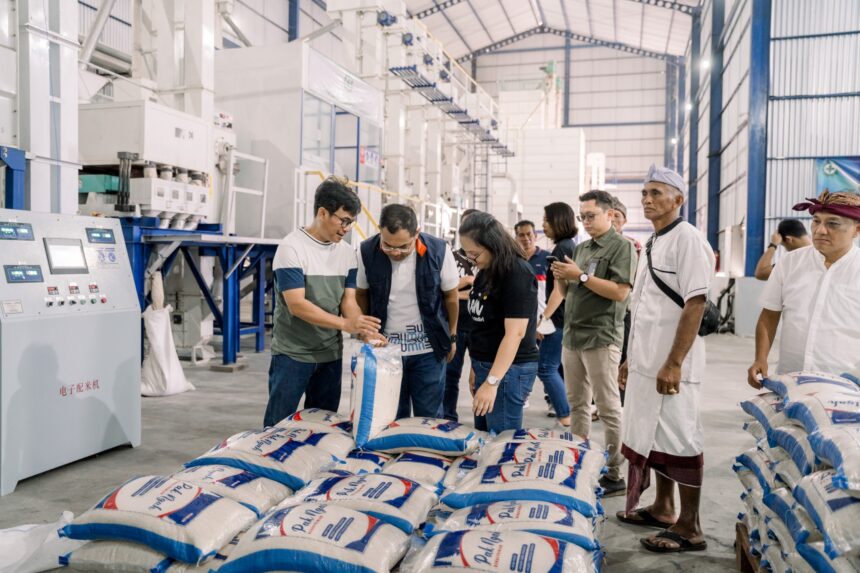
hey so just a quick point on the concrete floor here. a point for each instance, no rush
(177, 428)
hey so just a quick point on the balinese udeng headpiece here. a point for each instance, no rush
(844, 204)
(667, 176)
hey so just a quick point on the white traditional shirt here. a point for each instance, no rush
(684, 260)
(820, 311)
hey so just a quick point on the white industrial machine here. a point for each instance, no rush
(69, 342)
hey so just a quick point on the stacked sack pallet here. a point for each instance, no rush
(802, 479)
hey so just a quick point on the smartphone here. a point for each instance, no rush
(551, 259)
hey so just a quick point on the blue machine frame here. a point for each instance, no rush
(16, 167)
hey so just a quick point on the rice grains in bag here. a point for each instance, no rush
(546, 519)
(269, 453)
(434, 435)
(377, 374)
(498, 551)
(251, 490)
(395, 500)
(422, 467)
(179, 519)
(312, 537)
(551, 483)
(840, 447)
(835, 513)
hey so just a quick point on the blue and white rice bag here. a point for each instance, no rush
(835, 513)
(179, 519)
(458, 470)
(586, 461)
(271, 453)
(546, 519)
(825, 409)
(424, 468)
(758, 463)
(820, 562)
(332, 440)
(314, 537)
(434, 435)
(795, 442)
(795, 385)
(550, 483)
(398, 501)
(377, 373)
(794, 516)
(321, 417)
(125, 557)
(767, 408)
(840, 447)
(500, 551)
(546, 434)
(251, 490)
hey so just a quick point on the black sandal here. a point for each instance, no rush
(684, 544)
(645, 519)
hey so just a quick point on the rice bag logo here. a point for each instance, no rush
(341, 526)
(160, 497)
(384, 489)
(498, 551)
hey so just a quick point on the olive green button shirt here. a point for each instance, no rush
(591, 321)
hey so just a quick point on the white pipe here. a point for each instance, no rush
(98, 26)
(233, 26)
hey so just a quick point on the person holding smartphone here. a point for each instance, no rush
(503, 308)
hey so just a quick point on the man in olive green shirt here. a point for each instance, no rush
(597, 284)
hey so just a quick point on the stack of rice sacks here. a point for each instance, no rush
(802, 479)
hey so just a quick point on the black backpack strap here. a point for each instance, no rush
(667, 290)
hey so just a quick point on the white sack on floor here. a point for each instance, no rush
(33, 548)
(162, 373)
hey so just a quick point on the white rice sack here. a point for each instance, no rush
(767, 408)
(778, 532)
(587, 462)
(795, 385)
(544, 434)
(458, 470)
(747, 478)
(397, 501)
(422, 467)
(796, 519)
(123, 557)
(312, 537)
(798, 564)
(773, 560)
(795, 442)
(270, 453)
(550, 483)
(498, 551)
(331, 440)
(839, 446)
(820, 562)
(359, 462)
(546, 519)
(756, 430)
(377, 374)
(325, 418)
(758, 462)
(433, 435)
(825, 409)
(254, 492)
(784, 468)
(173, 517)
(835, 513)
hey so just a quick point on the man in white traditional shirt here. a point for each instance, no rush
(662, 426)
(815, 292)
(409, 281)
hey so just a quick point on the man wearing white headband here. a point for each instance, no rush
(662, 428)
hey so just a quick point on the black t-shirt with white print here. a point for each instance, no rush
(466, 269)
(515, 297)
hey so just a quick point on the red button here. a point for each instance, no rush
(104, 299)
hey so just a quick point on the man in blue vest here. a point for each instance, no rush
(409, 281)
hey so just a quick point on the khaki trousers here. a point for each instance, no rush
(593, 374)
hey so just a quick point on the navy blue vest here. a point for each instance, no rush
(428, 286)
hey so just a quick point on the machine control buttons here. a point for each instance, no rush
(61, 302)
(74, 289)
(49, 301)
(82, 299)
(73, 300)
(104, 299)
(53, 291)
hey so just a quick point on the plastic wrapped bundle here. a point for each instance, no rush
(795, 442)
(839, 446)
(499, 551)
(550, 483)
(834, 512)
(546, 519)
(795, 385)
(434, 435)
(758, 463)
(796, 519)
(269, 453)
(825, 409)
(179, 519)
(395, 500)
(767, 409)
(377, 374)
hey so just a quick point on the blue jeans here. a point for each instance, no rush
(453, 373)
(513, 390)
(289, 379)
(548, 372)
(422, 386)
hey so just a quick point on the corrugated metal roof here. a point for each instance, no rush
(466, 26)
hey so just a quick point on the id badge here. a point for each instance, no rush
(592, 267)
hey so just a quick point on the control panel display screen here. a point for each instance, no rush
(23, 273)
(101, 236)
(16, 232)
(66, 256)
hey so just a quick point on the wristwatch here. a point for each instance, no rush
(583, 278)
(454, 338)
(492, 380)
(772, 245)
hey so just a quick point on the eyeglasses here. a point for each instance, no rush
(583, 217)
(345, 222)
(396, 250)
(474, 258)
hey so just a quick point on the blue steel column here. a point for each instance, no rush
(567, 50)
(695, 60)
(669, 130)
(16, 166)
(293, 20)
(259, 303)
(757, 164)
(230, 324)
(682, 98)
(715, 133)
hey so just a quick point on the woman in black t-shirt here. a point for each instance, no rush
(503, 307)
